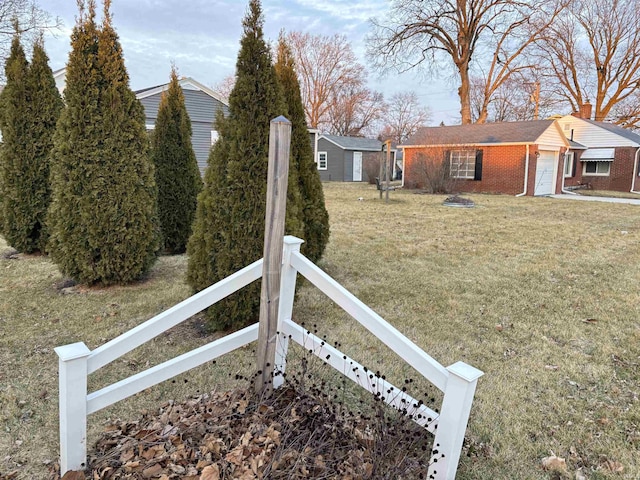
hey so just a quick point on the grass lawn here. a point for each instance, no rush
(541, 294)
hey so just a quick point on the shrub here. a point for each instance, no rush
(177, 174)
(31, 107)
(228, 232)
(103, 213)
(431, 172)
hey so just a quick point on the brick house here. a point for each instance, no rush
(516, 158)
(603, 156)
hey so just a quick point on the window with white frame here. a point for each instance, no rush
(322, 160)
(596, 168)
(568, 164)
(214, 136)
(462, 164)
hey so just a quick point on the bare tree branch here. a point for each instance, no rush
(463, 33)
(32, 21)
(593, 54)
(404, 116)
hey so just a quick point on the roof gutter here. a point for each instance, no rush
(526, 173)
(635, 172)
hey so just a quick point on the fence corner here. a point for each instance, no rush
(72, 364)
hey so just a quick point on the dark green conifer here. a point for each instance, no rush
(314, 213)
(103, 216)
(177, 174)
(229, 228)
(20, 228)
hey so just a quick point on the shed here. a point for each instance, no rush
(347, 159)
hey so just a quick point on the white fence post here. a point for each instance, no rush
(73, 406)
(287, 293)
(452, 423)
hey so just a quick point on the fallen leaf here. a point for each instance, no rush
(589, 320)
(235, 455)
(211, 472)
(551, 367)
(73, 475)
(613, 466)
(152, 471)
(554, 463)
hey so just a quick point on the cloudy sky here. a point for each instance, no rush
(202, 38)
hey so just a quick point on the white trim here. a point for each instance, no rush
(150, 126)
(185, 83)
(586, 174)
(566, 163)
(326, 160)
(355, 149)
(635, 171)
(467, 159)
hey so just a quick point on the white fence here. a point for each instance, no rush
(76, 362)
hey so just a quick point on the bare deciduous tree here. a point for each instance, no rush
(354, 111)
(593, 54)
(333, 84)
(521, 97)
(404, 116)
(224, 86)
(31, 19)
(488, 35)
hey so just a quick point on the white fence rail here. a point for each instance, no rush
(76, 362)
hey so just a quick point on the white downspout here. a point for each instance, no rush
(635, 171)
(562, 190)
(404, 170)
(526, 173)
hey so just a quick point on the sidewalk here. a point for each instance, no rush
(566, 196)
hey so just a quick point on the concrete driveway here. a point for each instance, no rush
(582, 198)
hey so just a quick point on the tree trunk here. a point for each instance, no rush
(464, 93)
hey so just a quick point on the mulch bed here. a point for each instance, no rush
(234, 435)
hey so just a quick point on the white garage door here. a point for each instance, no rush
(544, 173)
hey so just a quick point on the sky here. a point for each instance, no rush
(202, 38)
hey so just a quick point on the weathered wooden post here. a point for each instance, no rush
(386, 170)
(73, 405)
(277, 176)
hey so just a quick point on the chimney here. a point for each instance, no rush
(585, 110)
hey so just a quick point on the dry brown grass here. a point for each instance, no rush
(540, 294)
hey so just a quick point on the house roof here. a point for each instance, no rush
(576, 146)
(354, 143)
(481, 134)
(618, 130)
(186, 83)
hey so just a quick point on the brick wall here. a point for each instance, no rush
(620, 172)
(502, 169)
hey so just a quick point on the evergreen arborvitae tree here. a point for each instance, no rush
(228, 233)
(177, 173)
(103, 215)
(314, 213)
(15, 123)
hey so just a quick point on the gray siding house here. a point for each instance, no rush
(347, 159)
(202, 105)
